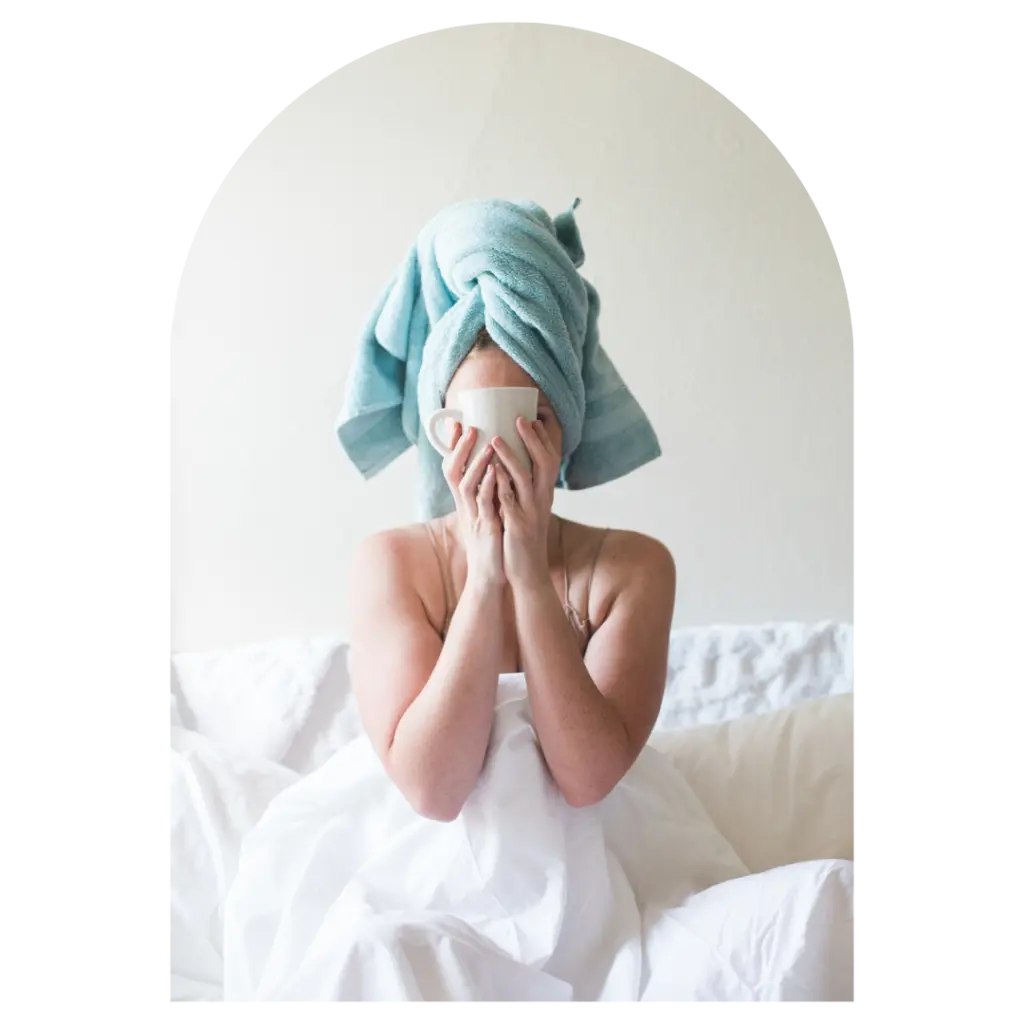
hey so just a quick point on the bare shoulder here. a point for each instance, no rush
(637, 550)
(631, 563)
(388, 548)
(624, 553)
(396, 567)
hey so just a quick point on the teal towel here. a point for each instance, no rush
(508, 267)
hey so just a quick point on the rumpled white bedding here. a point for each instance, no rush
(290, 700)
(299, 872)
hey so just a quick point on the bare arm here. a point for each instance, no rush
(427, 708)
(594, 715)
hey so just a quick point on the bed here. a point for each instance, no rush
(756, 723)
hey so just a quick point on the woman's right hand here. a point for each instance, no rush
(474, 488)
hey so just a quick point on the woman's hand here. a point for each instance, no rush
(526, 504)
(473, 488)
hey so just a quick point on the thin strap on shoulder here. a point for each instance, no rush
(580, 619)
(566, 603)
(593, 564)
(446, 575)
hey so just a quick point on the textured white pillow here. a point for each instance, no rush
(778, 786)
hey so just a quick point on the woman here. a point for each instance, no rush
(569, 849)
(502, 585)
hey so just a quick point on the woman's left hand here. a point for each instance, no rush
(525, 504)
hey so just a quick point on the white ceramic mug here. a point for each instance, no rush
(493, 411)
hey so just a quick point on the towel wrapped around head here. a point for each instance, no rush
(507, 267)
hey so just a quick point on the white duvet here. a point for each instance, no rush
(323, 884)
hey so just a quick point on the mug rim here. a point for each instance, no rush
(500, 387)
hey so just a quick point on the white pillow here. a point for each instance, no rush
(778, 786)
(253, 701)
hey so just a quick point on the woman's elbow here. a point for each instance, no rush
(586, 794)
(430, 802)
(585, 789)
(436, 811)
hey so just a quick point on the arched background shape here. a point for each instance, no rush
(723, 307)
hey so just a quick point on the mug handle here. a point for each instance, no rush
(432, 422)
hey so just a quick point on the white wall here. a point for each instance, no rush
(722, 305)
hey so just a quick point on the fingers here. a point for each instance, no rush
(545, 437)
(538, 452)
(519, 474)
(454, 465)
(474, 474)
(506, 495)
(485, 496)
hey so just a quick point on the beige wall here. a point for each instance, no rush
(722, 305)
